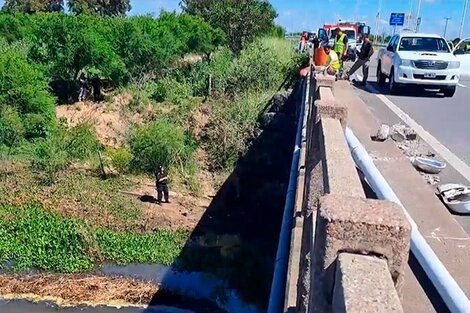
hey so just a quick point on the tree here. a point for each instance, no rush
(33, 6)
(241, 20)
(101, 7)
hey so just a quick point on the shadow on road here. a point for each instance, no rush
(237, 237)
(408, 91)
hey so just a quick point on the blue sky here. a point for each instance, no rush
(297, 15)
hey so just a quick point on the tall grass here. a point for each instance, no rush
(252, 79)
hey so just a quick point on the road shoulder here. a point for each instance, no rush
(447, 238)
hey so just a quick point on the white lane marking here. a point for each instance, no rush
(445, 153)
(460, 85)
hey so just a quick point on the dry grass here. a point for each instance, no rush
(73, 290)
(113, 204)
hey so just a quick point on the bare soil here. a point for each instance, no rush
(110, 123)
(120, 203)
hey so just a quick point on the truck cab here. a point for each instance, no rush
(418, 59)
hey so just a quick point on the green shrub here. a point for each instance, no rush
(160, 143)
(219, 68)
(157, 91)
(50, 156)
(121, 159)
(25, 90)
(263, 65)
(176, 92)
(61, 147)
(81, 141)
(233, 123)
(11, 127)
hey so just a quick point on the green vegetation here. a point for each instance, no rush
(36, 239)
(194, 87)
(160, 143)
(101, 7)
(242, 22)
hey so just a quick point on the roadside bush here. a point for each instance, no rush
(176, 92)
(81, 141)
(160, 143)
(251, 80)
(11, 128)
(50, 156)
(121, 159)
(25, 90)
(233, 123)
(263, 65)
(157, 91)
(219, 67)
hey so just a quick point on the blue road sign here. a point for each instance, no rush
(397, 19)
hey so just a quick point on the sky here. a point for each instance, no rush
(309, 15)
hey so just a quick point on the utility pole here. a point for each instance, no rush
(464, 15)
(377, 21)
(409, 20)
(418, 19)
(445, 28)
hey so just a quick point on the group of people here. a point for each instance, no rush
(337, 53)
(305, 38)
(85, 83)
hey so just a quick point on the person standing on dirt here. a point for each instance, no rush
(83, 87)
(161, 183)
(96, 85)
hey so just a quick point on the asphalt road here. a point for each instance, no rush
(447, 120)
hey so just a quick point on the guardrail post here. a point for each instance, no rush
(356, 225)
(363, 285)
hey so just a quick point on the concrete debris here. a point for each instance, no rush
(415, 148)
(430, 179)
(397, 132)
(401, 133)
(383, 132)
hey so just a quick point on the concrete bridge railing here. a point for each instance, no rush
(348, 253)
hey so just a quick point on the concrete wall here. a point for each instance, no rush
(348, 253)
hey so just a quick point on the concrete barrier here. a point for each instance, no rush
(362, 285)
(348, 253)
(361, 226)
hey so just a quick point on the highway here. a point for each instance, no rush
(445, 120)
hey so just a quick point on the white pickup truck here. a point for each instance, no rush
(423, 60)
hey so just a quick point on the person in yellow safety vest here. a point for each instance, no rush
(332, 61)
(341, 45)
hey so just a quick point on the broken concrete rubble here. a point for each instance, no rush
(383, 133)
(400, 132)
(397, 132)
